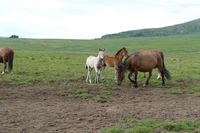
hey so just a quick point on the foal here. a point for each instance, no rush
(96, 63)
(113, 61)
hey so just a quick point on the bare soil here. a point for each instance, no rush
(50, 109)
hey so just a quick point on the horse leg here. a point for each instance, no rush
(161, 70)
(159, 75)
(163, 78)
(97, 75)
(133, 81)
(101, 73)
(87, 78)
(145, 75)
(96, 78)
(136, 84)
(89, 75)
(147, 81)
(129, 77)
(115, 77)
(4, 69)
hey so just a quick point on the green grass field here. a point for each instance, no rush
(55, 61)
(62, 62)
(152, 126)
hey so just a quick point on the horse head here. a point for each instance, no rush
(125, 52)
(122, 52)
(120, 73)
(101, 53)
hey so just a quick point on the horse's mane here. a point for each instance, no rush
(119, 51)
(124, 63)
(125, 60)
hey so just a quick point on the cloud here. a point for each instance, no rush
(90, 18)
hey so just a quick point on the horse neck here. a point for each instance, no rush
(125, 63)
(98, 57)
(1, 53)
(99, 62)
(119, 57)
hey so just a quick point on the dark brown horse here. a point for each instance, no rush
(6, 57)
(143, 61)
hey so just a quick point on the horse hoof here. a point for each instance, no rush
(145, 85)
(163, 85)
(158, 78)
(136, 86)
(3, 73)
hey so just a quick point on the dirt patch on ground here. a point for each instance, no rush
(53, 109)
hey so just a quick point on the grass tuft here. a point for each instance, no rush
(83, 94)
(151, 126)
(113, 130)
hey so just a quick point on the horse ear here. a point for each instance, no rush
(101, 49)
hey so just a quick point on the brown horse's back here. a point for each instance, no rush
(145, 61)
(7, 55)
(110, 61)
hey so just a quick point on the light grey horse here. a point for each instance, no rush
(96, 63)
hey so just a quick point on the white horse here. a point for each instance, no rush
(96, 63)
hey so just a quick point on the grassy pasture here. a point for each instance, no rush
(61, 62)
(58, 61)
(152, 126)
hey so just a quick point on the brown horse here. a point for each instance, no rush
(6, 57)
(113, 61)
(143, 61)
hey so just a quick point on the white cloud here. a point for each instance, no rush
(90, 18)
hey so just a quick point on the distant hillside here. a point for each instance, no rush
(179, 29)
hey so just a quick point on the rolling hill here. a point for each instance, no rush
(190, 27)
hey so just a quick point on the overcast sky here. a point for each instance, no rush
(88, 19)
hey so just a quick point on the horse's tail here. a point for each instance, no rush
(10, 61)
(162, 55)
(166, 72)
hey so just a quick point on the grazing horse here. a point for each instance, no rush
(143, 61)
(114, 61)
(96, 63)
(6, 57)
